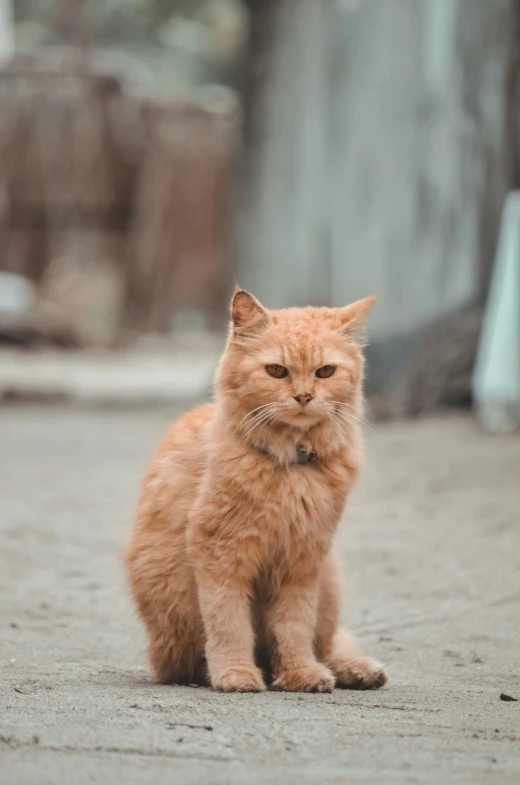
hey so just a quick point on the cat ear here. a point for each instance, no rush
(249, 317)
(354, 318)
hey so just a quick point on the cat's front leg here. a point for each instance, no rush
(292, 621)
(334, 646)
(225, 608)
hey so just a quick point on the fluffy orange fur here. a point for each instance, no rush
(231, 561)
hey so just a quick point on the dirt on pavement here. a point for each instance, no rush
(431, 540)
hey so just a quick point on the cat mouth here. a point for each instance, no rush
(303, 417)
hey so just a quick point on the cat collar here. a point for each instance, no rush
(302, 456)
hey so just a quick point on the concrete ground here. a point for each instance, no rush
(432, 544)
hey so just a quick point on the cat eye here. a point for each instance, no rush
(325, 371)
(278, 371)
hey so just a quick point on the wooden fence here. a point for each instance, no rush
(116, 207)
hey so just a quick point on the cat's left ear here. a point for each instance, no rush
(248, 316)
(354, 318)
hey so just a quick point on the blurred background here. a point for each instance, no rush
(152, 152)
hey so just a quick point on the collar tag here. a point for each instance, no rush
(305, 456)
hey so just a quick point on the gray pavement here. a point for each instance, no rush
(432, 544)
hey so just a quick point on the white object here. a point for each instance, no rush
(496, 379)
(17, 294)
(6, 30)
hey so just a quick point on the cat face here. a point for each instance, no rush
(296, 366)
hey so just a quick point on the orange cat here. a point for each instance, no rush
(232, 551)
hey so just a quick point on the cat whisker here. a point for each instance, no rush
(162, 479)
(245, 417)
(354, 421)
(340, 424)
(349, 413)
(252, 423)
(260, 411)
(264, 420)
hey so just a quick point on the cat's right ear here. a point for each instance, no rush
(248, 316)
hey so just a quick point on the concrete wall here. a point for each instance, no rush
(381, 165)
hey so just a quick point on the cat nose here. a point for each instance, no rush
(303, 399)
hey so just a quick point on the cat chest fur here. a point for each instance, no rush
(280, 513)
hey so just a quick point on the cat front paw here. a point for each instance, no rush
(362, 673)
(238, 678)
(309, 678)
